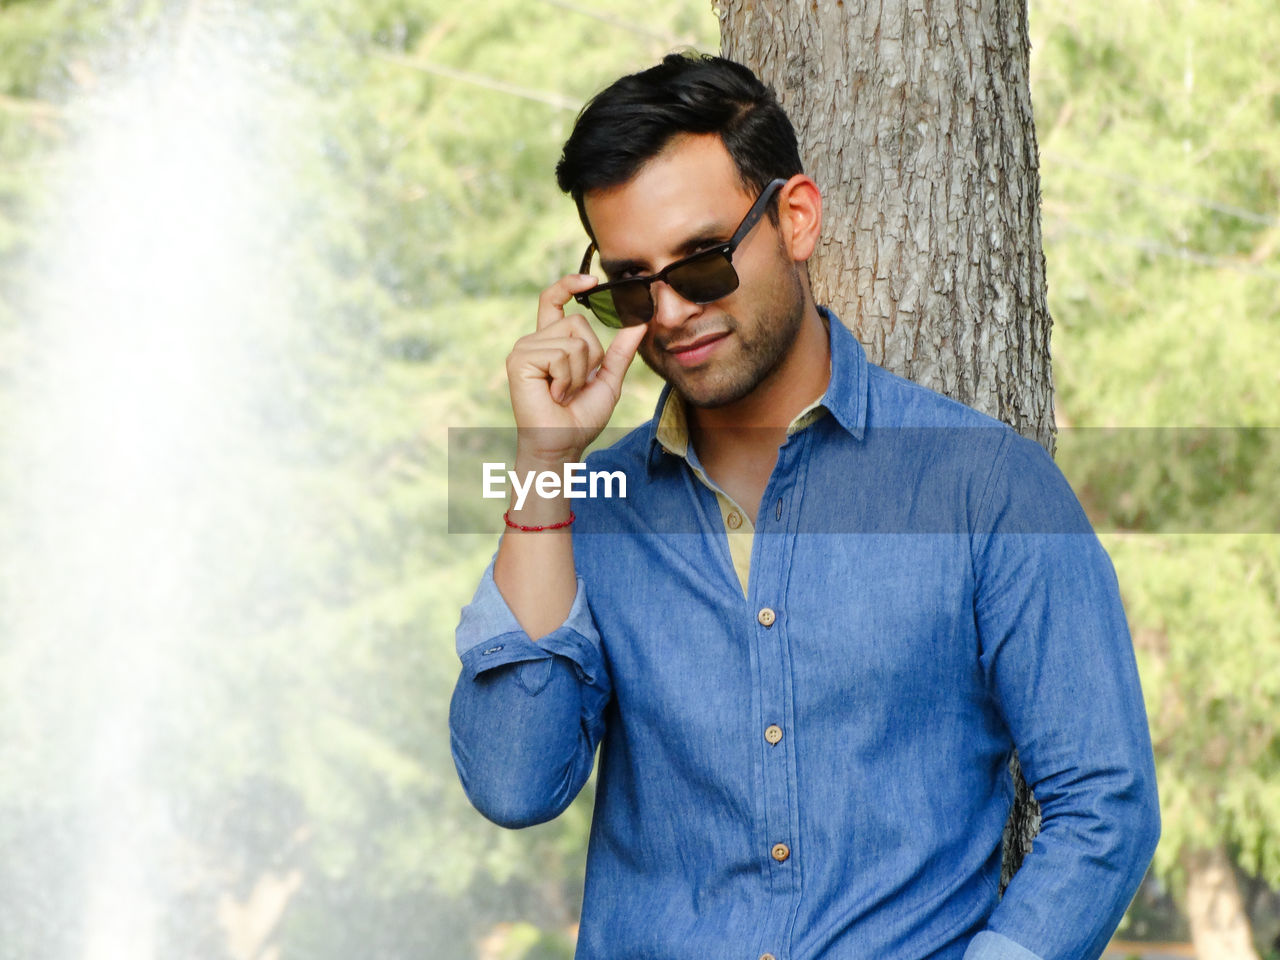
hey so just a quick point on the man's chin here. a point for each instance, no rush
(708, 394)
(699, 387)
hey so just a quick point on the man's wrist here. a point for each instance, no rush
(539, 461)
(535, 508)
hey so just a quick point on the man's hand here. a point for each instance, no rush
(564, 385)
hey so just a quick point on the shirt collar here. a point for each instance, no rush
(845, 398)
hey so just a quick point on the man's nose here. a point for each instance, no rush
(670, 310)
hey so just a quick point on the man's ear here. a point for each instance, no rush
(800, 216)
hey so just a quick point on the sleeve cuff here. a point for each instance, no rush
(489, 636)
(487, 616)
(989, 945)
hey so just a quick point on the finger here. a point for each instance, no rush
(554, 364)
(580, 357)
(533, 361)
(561, 374)
(574, 325)
(622, 350)
(537, 344)
(552, 300)
(582, 330)
(576, 351)
(575, 335)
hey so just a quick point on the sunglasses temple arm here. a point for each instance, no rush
(586, 258)
(754, 214)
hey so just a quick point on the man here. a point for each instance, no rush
(830, 606)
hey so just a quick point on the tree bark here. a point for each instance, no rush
(1220, 927)
(914, 117)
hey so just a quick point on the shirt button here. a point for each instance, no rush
(773, 733)
(767, 956)
(734, 520)
(766, 617)
(780, 851)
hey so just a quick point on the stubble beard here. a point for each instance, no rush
(755, 357)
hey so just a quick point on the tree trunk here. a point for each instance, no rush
(915, 120)
(1220, 926)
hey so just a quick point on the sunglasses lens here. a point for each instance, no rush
(603, 306)
(704, 279)
(624, 306)
(700, 279)
(633, 303)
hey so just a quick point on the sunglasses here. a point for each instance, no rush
(701, 278)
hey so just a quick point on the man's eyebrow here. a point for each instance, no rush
(707, 237)
(615, 267)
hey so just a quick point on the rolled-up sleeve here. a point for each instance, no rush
(526, 715)
(1060, 665)
(993, 946)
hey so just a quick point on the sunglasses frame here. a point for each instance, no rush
(725, 250)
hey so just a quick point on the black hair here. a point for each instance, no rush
(635, 117)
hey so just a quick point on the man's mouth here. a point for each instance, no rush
(695, 351)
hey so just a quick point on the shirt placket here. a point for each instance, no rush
(772, 703)
(782, 850)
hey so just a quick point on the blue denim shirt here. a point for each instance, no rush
(815, 767)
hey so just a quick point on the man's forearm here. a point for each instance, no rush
(526, 717)
(534, 570)
(519, 741)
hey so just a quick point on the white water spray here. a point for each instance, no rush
(136, 372)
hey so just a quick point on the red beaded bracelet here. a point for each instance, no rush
(550, 526)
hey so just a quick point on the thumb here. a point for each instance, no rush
(622, 350)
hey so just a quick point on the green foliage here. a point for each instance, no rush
(1161, 173)
(1208, 641)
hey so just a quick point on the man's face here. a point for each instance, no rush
(687, 198)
